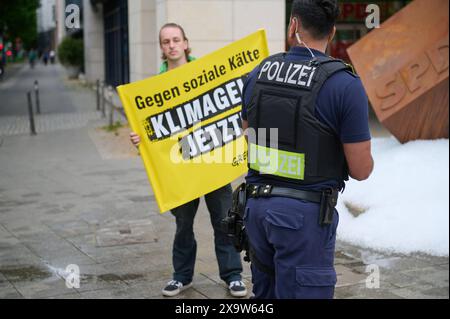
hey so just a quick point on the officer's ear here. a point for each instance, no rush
(292, 27)
(332, 34)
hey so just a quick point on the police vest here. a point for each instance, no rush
(304, 150)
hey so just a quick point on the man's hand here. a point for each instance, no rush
(135, 139)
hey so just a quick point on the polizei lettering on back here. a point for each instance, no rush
(287, 73)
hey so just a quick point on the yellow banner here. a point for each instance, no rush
(190, 124)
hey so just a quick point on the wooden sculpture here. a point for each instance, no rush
(404, 68)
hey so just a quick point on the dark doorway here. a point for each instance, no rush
(117, 66)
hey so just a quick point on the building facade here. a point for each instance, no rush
(121, 36)
(46, 24)
(51, 22)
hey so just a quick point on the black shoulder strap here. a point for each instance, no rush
(327, 66)
(331, 65)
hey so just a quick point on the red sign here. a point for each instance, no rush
(356, 11)
(353, 11)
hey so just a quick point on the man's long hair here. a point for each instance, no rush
(174, 25)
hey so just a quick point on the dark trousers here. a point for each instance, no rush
(286, 236)
(185, 245)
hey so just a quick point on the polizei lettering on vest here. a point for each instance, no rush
(290, 73)
(290, 165)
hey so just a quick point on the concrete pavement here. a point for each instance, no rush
(76, 194)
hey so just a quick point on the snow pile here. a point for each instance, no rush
(405, 202)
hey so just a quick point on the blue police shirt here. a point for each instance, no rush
(341, 104)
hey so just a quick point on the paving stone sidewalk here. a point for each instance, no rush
(76, 194)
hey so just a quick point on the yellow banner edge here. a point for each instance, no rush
(145, 157)
(143, 151)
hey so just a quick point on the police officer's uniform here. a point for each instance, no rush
(292, 239)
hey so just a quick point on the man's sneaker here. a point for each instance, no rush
(237, 289)
(174, 287)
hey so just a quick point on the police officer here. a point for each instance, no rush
(320, 110)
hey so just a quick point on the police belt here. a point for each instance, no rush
(255, 191)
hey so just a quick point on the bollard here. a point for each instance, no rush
(111, 113)
(103, 99)
(36, 91)
(98, 94)
(30, 113)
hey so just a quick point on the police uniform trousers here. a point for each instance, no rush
(286, 236)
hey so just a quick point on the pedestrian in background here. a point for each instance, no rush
(45, 57)
(52, 55)
(32, 56)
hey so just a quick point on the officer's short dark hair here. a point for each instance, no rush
(318, 17)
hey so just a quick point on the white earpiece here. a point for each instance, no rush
(299, 40)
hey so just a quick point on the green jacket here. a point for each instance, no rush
(164, 66)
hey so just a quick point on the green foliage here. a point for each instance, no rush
(18, 20)
(113, 128)
(70, 51)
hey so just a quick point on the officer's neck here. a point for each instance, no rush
(316, 45)
(319, 45)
